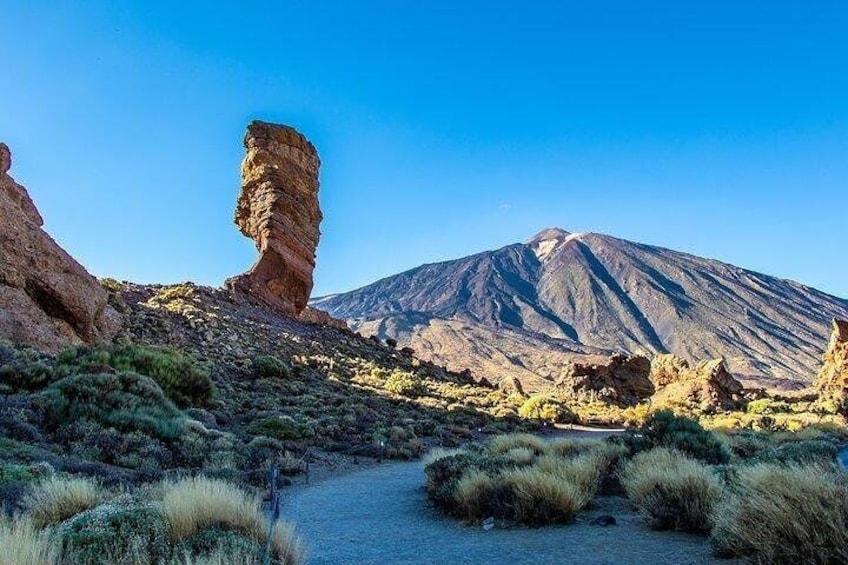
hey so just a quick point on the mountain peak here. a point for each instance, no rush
(549, 233)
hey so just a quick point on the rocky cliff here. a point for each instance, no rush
(832, 380)
(47, 299)
(278, 208)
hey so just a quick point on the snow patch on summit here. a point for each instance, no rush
(545, 247)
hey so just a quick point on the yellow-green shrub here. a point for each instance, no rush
(672, 491)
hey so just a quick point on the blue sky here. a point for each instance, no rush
(445, 128)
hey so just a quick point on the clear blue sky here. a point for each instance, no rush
(719, 128)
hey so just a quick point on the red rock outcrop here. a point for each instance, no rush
(47, 299)
(832, 380)
(708, 386)
(278, 208)
(621, 380)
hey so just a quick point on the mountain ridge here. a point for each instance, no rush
(589, 293)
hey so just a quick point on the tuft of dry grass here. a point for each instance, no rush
(672, 491)
(192, 505)
(503, 444)
(784, 514)
(474, 494)
(22, 543)
(542, 498)
(57, 499)
(199, 503)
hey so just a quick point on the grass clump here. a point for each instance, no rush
(195, 505)
(185, 382)
(671, 490)
(520, 478)
(784, 514)
(22, 543)
(57, 499)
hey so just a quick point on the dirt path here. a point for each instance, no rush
(380, 515)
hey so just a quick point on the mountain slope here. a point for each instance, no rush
(526, 307)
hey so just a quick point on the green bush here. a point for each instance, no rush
(281, 427)
(125, 401)
(811, 451)
(767, 406)
(665, 429)
(24, 367)
(116, 534)
(269, 367)
(186, 382)
(545, 407)
(405, 384)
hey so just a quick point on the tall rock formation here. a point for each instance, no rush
(621, 380)
(47, 299)
(832, 380)
(278, 209)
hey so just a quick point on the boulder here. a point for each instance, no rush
(47, 299)
(622, 380)
(278, 209)
(832, 380)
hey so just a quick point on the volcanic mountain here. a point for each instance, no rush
(527, 309)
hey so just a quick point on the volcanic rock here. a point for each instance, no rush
(708, 386)
(312, 315)
(278, 208)
(622, 380)
(832, 380)
(47, 299)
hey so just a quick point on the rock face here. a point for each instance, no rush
(622, 380)
(312, 315)
(47, 299)
(708, 386)
(278, 209)
(832, 380)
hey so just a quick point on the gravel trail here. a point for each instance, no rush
(381, 515)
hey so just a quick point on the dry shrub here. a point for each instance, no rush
(784, 514)
(475, 495)
(542, 498)
(21, 542)
(672, 491)
(57, 499)
(521, 455)
(505, 443)
(198, 503)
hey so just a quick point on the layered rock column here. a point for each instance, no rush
(832, 380)
(278, 209)
(47, 299)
